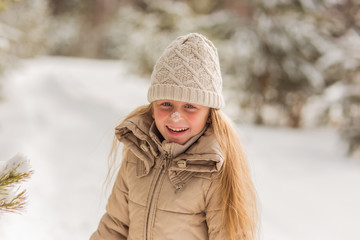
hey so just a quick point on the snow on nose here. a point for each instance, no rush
(175, 116)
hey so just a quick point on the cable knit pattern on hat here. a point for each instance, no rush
(188, 71)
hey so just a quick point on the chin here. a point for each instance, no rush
(180, 141)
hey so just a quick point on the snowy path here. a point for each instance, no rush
(60, 112)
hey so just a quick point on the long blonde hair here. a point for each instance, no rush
(239, 204)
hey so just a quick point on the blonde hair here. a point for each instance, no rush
(239, 204)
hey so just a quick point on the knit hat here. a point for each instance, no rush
(188, 71)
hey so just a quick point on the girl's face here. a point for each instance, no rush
(179, 121)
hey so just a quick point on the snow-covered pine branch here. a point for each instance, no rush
(12, 173)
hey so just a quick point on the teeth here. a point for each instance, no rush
(177, 129)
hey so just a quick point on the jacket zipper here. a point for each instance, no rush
(162, 167)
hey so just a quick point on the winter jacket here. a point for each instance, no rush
(163, 190)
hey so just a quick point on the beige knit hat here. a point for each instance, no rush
(188, 71)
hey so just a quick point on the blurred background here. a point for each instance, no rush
(291, 71)
(281, 59)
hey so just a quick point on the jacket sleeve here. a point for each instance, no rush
(213, 212)
(115, 222)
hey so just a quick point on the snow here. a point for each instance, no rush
(60, 113)
(17, 165)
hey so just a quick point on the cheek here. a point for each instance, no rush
(198, 120)
(193, 118)
(159, 115)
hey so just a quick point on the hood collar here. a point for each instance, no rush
(196, 155)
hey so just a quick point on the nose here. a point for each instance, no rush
(175, 116)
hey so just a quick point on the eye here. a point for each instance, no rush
(166, 104)
(189, 106)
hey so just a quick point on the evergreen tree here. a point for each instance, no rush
(22, 30)
(302, 48)
(23, 26)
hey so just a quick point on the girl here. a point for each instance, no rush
(183, 173)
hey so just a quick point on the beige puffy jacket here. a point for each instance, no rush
(163, 190)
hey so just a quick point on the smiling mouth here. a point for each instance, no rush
(177, 129)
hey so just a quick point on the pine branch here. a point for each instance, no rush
(17, 204)
(12, 173)
(10, 179)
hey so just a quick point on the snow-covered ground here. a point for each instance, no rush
(61, 112)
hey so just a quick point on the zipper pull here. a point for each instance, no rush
(165, 160)
(178, 187)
